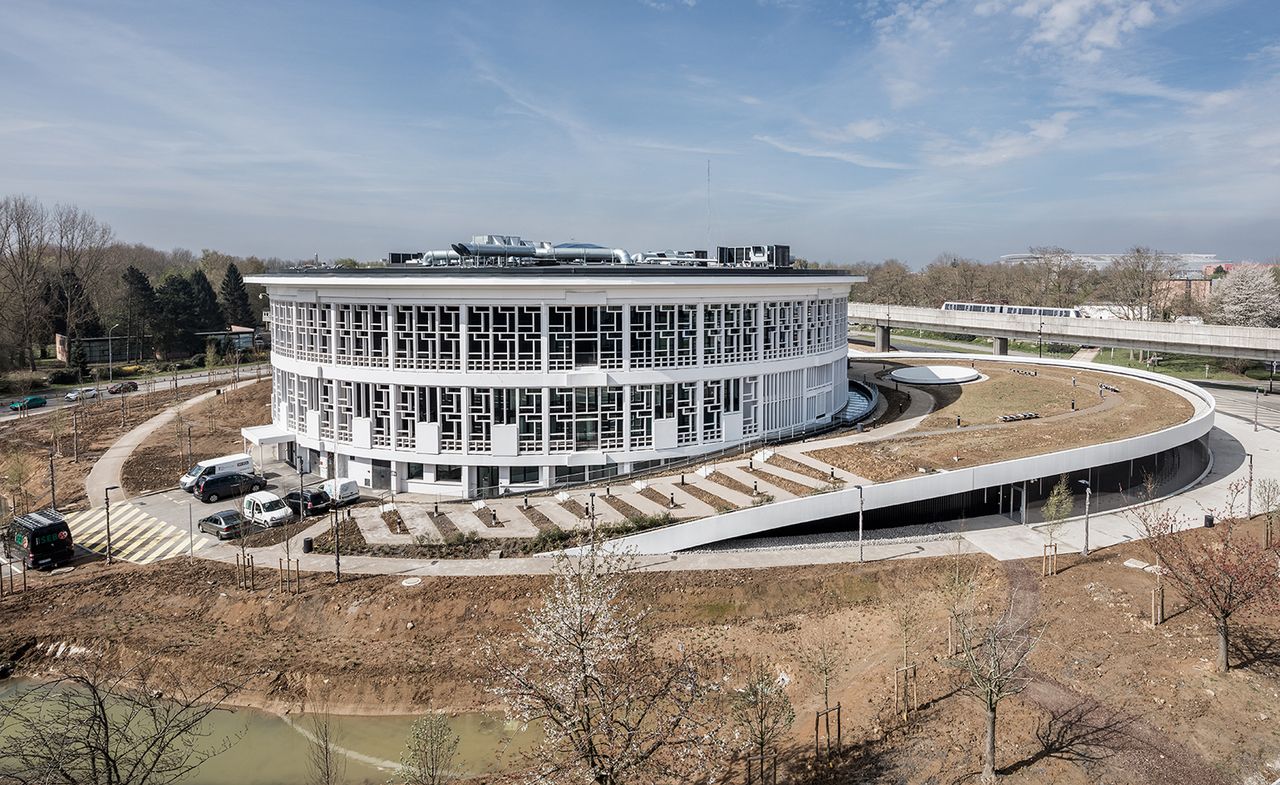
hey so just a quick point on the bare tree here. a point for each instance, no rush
(326, 761)
(1267, 491)
(993, 655)
(25, 237)
(762, 711)
(1221, 571)
(1129, 284)
(104, 723)
(823, 663)
(1054, 277)
(81, 243)
(429, 754)
(615, 707)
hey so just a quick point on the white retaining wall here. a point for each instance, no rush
(756, 520)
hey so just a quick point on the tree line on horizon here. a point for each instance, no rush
(63, 271)
(1247, 295)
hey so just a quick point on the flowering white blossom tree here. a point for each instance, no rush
(1249, 296)
(615, 708)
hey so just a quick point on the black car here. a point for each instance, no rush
(41, 539)
(314, 501)
(223, 525)
(224, 486)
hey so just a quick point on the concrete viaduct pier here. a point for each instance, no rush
(1245, 343)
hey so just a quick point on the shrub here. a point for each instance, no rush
(458, 538)
(63, 376)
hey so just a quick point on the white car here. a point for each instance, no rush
(266, 509)
(83, 392)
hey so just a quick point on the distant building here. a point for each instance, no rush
(1099, 261)
(1185, 291)
(1225, 267)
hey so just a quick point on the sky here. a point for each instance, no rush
(849, 130)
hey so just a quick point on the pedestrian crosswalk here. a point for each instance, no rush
(135, 536)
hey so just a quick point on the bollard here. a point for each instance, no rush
(526, 502)
(673, 501)
(682, 483)
(755, 487)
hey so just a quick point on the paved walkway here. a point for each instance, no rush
(107, 470)
(999, 537)
(781, 472)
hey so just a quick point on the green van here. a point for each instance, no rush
(41, 539)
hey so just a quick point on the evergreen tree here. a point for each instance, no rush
(67, 298)
(235, 299)
(78, 359)
(206, 314)
(173, 324)
(139, 306)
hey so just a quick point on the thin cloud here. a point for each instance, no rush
(856, 159)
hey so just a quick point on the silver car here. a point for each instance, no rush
(81, 393)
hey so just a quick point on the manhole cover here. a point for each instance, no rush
(62, 571)
(410, 581)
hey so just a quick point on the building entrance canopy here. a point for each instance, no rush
(262, 435)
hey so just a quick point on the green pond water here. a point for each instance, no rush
(273, 750)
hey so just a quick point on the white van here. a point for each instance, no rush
(240, 463)
(342, 490)
(266, 509)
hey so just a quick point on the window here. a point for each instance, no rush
(525, 474)
(413, 471)
(447, 473)
(571, 474)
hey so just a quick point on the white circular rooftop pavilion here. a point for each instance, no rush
(935, 374)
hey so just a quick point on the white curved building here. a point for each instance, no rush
(473, 380)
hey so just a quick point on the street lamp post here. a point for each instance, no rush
(106, 499)
(1088, 493)
(1248, 513)
(110, 361)
(1041, 338)
(1256, 395)
(860, 511)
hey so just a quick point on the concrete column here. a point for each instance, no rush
(999, 346)
(882, 338)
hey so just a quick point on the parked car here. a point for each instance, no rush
(342, 491)
(224, 486)
(122, 387)
(240, 463)
(266, 509)
(81, 394)
(29, 402)
(41, 540)
(224, 525)
(308, 501)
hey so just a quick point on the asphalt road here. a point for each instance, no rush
(58, 401)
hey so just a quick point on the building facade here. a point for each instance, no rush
(466, 381)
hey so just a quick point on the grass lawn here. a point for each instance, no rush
(1186, 366)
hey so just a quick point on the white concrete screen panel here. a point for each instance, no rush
(566, 374)
(756, 520)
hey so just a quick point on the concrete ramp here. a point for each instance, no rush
(999, 537)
